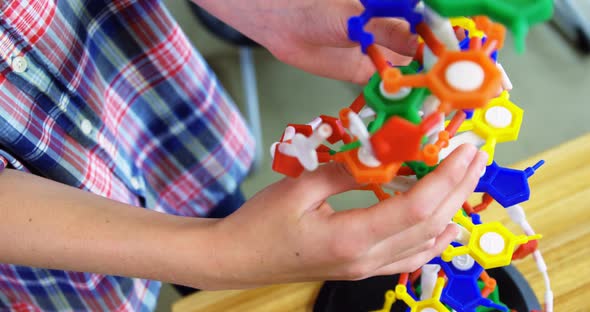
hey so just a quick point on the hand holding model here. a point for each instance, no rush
(288, 232)
(313, 36)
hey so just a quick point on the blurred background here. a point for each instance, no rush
(551, 83)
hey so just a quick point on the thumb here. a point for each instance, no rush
(327, 180)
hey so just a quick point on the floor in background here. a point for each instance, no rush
(551, 83)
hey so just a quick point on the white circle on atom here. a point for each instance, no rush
(463, 262)
(401, 94)
(498, 117)
(428, 310)
(465, 76)
(367, 158)
(492, 243)
(325, 130)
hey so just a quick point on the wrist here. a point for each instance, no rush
(187, 250)
(220, 258)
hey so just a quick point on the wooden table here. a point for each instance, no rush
(559, 209)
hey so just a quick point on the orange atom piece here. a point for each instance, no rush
(286, 165)
(377, 190)
(525, 250)
(344, 116)
(306, 130)
(364, 174)
(430, 39)
(453, 98)
(489, 282)
(399, 140)
(459, 79)
(358, 103)
(494, 31)
(377, 57)
(338, 132)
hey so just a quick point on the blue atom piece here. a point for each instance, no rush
(507, 186)
(462, 293)
(475, 219)
(381, 8)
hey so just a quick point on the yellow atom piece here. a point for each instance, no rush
(498, 122)
(432, 304)
(467, 24)
(389, 301)
(491, 244)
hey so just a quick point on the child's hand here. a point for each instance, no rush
(313, 35)
(288, 233)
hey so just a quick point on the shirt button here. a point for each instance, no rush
(62, 104)
(86, 126)
(135, 183)
(19, 64)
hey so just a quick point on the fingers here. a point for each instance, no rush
(396, 248)
(404, 232)
(394, 34)
(442, 215)
(464, 189)
(367, 69)
(417, 244)
(369, 265)
(341, 63)
(418, 206)
(416, 261)
(445, 178)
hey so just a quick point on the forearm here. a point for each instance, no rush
(254, 17)
(50, 225)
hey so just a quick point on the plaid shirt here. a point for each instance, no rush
(110, 97)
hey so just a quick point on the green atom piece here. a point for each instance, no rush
(494, 296)
(407, 106)
(348, 147)
(517, 15)
(420, 168)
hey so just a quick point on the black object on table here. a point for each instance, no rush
(369, 294)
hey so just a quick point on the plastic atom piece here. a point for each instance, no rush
(364, 173)
(399, 140)
(517, 15)
(507, 186)
(498, 122)
(491, 244)
(429, 305)
(462, 291)
(381, 8)
(459, 79)
(405, 103)
(389, 301)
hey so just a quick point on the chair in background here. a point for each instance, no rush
(573, 23)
